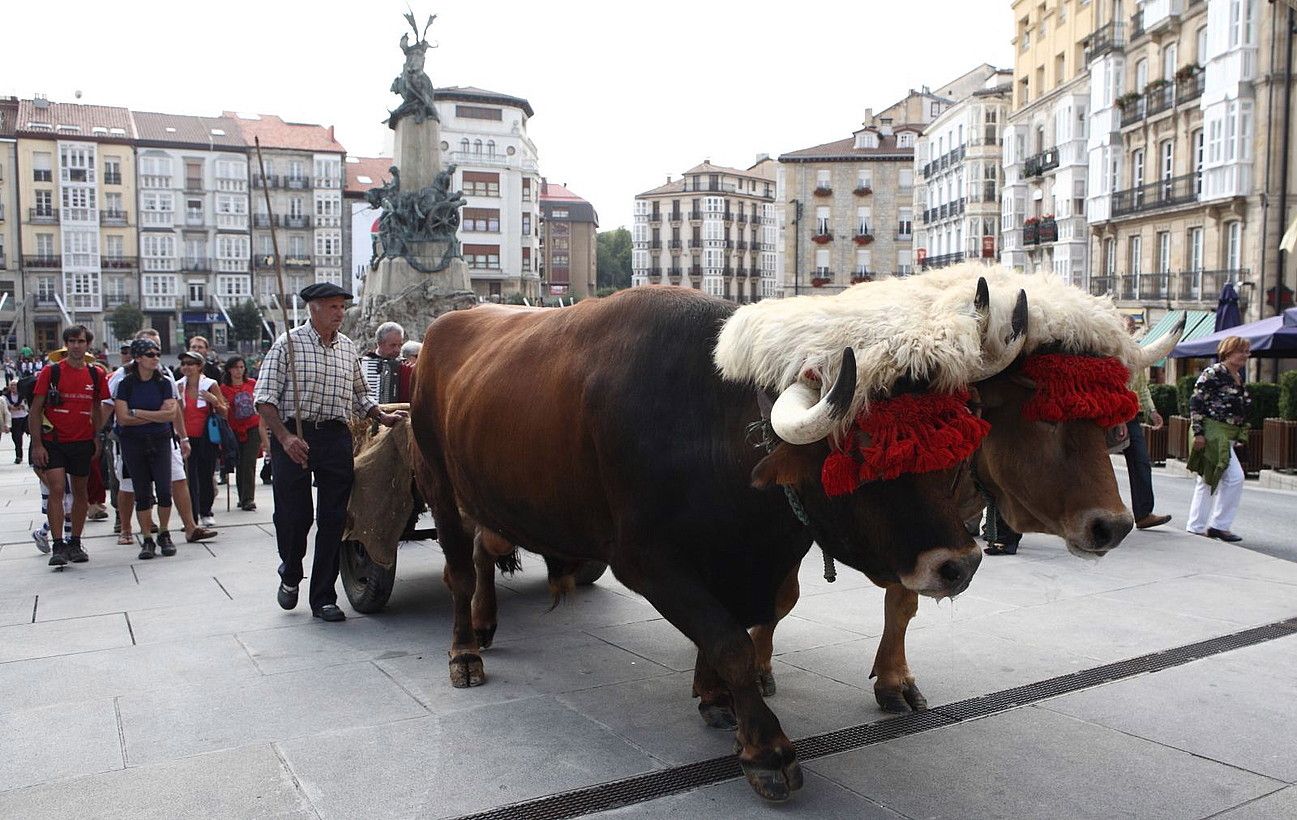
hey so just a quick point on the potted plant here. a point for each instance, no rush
(1187, 72)
(1177, 433)
(820, 281)
(1265, 404)
(863, 238)
(1128, 99)
(823, 190)
(1281, 433)
(822, 238)
(863, 190)
(1164, 401)
(1155, 85)
(857, 278)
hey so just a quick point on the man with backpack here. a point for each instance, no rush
(66, 411)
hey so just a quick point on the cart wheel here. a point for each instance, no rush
(589, 572)
(367, 584)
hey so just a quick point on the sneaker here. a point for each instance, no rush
(42, 539)
(286, 596)
(207, 520)
(148, 550)
(117, 526)
(165, 544)
(74, 552)
(58, 556)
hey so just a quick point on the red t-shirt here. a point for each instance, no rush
(72, 419)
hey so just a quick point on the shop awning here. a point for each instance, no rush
(1196, 323)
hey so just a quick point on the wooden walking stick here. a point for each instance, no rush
(283, 299)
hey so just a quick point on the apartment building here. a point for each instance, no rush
(846, 209)
(12, 295)
(957, 164)
(77, 186)
(303, 177)
(568, 244)
(484, 135)
(362, 174)
(1188, 139)
(195, 241)
(713, 230)
(1043, 223)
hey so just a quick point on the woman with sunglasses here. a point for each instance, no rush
(201, 397)
(144, 405)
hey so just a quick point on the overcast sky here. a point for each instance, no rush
(625, 93)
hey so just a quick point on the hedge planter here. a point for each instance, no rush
(1157, 442)
(1177, 437)
(1280, 444)
(1254, 455)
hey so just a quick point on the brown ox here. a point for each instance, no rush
(603, 432)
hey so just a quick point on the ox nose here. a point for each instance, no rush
(956, 573)
(1106, 530)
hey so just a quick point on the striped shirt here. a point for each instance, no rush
(327, 376)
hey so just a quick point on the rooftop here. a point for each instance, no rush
(468, 93)
(275, 133)
(364, 173)
(185, 129)
(43, 118)
(846, 149)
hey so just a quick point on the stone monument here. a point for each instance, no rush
(419, 272)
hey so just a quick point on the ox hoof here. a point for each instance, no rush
(906, 698)
(775, 785)
(485, 635)
(718, 716)
(766, 684)
(467, 670)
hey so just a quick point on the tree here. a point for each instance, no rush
(125, 320)
(613, 259)
(246, 321)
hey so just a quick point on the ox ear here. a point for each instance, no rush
(789, 465)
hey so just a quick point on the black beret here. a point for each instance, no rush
(322, 290)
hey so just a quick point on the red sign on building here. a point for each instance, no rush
(988, 247)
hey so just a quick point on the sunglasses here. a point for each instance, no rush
(148, 355)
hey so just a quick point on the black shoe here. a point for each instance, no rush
(1223, 535)
(148, 549)
(286, 597)
(329, 612)
(75, 553)
(59, 554)
(18, 460)
(165, 544)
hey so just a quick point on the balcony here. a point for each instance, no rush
(696, 270)
(676, 273)
(1189, 88)
(1204, 286)
(676, 216)
(741, 245)
(656, 244)
(1037, 165)
(115, 300)
(297, 183)
(1165, 193)
(1109, 37)
(196, 265)
(299, 221)
(43, 262)
(43, 216)
(264, 262)
(861, 275)
(675, 245)
(933, 262)
(1031, 233)
(862, 190)
(1187, 288)
(194, 219)
(695, 216)
(118, 262)
(741, 218)
(193, 186)
(112, 179)
(1048, 230)
(265, 220)
(822, 238)
(720, 187)
(46, 299)
(268, 181)
(823, 190)
(822, 277)
(728, 216)
(1159, 98)
(1132, 108)
(113, 219)
(655, 217)
(863, 236)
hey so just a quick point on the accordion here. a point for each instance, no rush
(380, 378)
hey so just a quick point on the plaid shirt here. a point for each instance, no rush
(328, 377)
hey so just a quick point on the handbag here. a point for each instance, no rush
(213, 429)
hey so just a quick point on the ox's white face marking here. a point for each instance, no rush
(943, 572)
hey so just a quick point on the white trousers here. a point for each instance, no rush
(1216, 511)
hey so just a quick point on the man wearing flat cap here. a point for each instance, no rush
(313, 440)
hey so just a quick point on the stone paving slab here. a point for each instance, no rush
(58, 742)
(47, 638)
(248, 782)
(1278, 805)
(1032, 762)
(435, 767)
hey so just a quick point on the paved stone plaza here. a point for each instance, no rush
(177, 688)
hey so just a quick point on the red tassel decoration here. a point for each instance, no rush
(1071, 387)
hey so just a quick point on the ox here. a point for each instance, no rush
(1045, 476)
(604, 432)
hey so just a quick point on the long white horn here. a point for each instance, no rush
(804, 414)
(1157, 350)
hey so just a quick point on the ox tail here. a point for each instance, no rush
(509, 564)
(562, 579)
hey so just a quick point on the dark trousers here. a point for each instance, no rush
(1140, 470)
(246, 476)
(1004, 534)
(18, 429)
(202, 463)
(148, 463)
(331, 465)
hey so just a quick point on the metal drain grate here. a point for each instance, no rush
(653, 785)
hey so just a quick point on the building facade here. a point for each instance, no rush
(362, 174)
(12, 294)
(713, 230)
(303, 177)
(76, 183)
(1187, 156)
(568, 243)
(484, 135)
(194, 232)
(957, 166)
(1043, 216)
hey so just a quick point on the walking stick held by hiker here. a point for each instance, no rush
(283, 298)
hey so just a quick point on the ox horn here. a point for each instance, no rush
(803, 414)
(1157, 350)
(1014, 344)
(982, 302)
